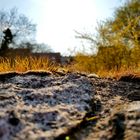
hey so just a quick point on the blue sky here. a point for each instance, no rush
(57, 19)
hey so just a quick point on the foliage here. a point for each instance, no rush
(83, 62)
(117, 40)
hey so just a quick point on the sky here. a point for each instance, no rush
(57, 20)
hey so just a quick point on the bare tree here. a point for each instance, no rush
(21, 27)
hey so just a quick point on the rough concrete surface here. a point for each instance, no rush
(68, 106)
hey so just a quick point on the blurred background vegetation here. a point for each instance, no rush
(117, 43)
(115, 47)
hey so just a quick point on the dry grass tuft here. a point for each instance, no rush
(117, 74)
(20, 64)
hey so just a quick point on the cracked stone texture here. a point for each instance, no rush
(42, 107)
(118, 111)
(35, 107)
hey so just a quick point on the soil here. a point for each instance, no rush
(72, 106)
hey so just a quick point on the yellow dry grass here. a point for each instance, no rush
(116, 74)
(104, 73)
(20, 64)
